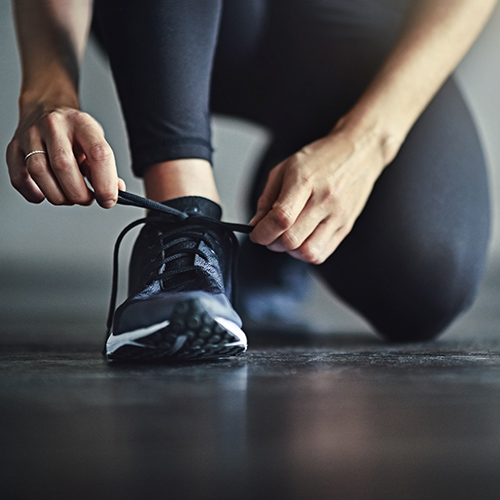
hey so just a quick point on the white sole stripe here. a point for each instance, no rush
(234, 329)
(114, 342)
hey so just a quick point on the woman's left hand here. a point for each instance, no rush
(313, 198)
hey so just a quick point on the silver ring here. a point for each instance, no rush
(36, 152)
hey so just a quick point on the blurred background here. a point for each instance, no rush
(55, 262)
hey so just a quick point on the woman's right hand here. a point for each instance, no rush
(75, 148)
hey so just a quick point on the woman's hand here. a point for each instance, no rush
(75, 146)
(312, 199)
(52, 36)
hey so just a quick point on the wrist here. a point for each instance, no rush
(48, 93)
(47, 100)
(369, 128)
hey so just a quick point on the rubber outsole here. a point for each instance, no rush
(190, 334)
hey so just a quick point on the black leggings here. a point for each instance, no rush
(415, 256)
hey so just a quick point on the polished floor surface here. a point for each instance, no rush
(327, 416)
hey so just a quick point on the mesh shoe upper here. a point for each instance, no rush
(175, 260)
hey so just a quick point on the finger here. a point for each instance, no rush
(65, 168)
(19, 176)
(321, 244)
(85, 169)
(39, 170)
(269, 194)
(308, 220)
(292, 198)
(100, 161)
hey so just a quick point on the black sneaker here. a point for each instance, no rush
(180, 285)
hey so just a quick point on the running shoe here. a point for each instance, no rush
(180, 285)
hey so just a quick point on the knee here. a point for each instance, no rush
(421, 306)
(417, 322)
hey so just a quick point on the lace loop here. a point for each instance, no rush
(134, 200)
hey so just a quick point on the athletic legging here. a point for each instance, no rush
(413, 260)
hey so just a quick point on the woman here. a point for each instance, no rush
(375, 173)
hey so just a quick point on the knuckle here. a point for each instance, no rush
(283, 216)
(318, 260)
(57, 199)
(329, 195)
(52, 120)
(36, 168)
(100, 152)
(76, 195)
(62, 162)
(86, 121)
(82, 117)
(289, 240)
(61, 201)
(310, 253)
(304, 178)
(79, 198)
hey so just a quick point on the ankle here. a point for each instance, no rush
(177, 178)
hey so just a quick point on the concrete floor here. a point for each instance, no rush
(333, 415)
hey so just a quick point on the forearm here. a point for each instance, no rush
(52, 35)
(434, 39)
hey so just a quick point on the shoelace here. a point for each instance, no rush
(130, 199)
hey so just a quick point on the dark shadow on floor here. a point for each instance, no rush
(339, 414)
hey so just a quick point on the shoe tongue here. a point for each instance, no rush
(196, 205)
(193, 205)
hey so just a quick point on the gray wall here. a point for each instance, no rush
(82, 237)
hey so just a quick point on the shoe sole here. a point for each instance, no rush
(191, 334)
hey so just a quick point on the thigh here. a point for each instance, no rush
(313, 61)
(415, 256)
(308, 62)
